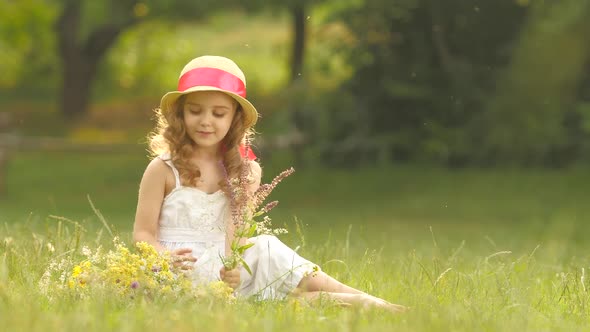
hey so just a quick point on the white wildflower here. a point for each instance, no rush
(8, 241)
(86, 251)
(279, 231)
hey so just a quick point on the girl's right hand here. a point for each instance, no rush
(230, 277)
(182, 258)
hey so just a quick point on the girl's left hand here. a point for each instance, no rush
(183, 259)
(230, 277)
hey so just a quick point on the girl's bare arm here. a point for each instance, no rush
(151, 196)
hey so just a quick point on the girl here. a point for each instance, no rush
(182, 205)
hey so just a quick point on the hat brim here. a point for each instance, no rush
(250, 112)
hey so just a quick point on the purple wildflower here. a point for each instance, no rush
(227, 179)
(238, 193)
(243, 205)
(281, 176)
(269, 206)
(134, 285)
(261, 194)
(231, 191)
(265, 189)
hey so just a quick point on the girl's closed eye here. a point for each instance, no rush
(219, 115)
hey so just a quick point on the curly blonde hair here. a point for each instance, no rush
(170, 136)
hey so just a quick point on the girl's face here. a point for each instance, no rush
(208, 116)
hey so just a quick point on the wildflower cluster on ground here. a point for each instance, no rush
(249, 215)
(141, 270)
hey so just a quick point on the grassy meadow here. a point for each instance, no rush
(468, 250)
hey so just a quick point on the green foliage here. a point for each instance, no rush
(147, 59)
(527, 120)
(459, 83)
(27, 60)
(431, 82)
(408, 95)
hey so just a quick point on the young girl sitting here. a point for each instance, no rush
(183, 206)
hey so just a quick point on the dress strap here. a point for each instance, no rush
(166, 158)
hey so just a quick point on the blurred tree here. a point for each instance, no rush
(298, 11)
(26, 43)
(87, 29)
(422, 71)
(81, 47)
(296, 89)
(532, 118)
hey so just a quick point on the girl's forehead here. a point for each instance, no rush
(210, 98)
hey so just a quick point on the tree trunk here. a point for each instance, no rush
(297, 82)
(80, 59)
(298, 13)
(78, 74)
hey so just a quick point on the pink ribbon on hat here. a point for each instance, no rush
(214, 77)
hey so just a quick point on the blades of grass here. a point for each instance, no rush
(100, 216)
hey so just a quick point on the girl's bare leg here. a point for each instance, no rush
(320, 281)
(313, 286)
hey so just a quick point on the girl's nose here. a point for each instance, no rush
(205, 119)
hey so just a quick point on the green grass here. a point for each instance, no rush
(467, 250)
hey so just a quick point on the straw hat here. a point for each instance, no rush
(212, 73)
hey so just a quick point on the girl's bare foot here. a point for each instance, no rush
(369, 301)
(361, 300)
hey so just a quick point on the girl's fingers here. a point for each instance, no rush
(234, 272)
(187, 266)
(184, 265)
(182, 251)
(184, 262)
(232, 283)
(228, 273)
(190, 259)
(230, 277)
(184, 258)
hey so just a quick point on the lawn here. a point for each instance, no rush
(466, 249)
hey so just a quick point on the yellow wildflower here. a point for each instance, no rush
(76, 271)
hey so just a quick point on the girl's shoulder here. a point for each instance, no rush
(164, 157)
(255, 168)
(157, 168)
(158, 177)
(256, 175)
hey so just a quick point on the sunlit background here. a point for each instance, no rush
(476, 96)
(496, 89)
(413, 125)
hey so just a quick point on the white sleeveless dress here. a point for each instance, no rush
(192, 218)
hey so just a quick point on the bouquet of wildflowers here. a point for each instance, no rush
(249, 215)
(142, 271)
